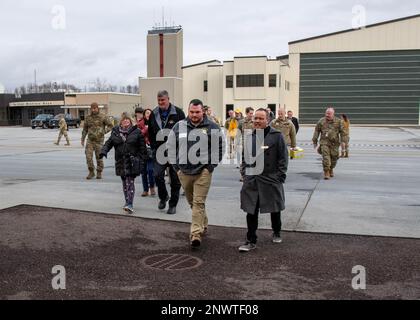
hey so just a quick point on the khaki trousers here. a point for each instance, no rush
(196, 189)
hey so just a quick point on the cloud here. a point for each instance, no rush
(108, 39)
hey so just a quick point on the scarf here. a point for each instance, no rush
(124, 132)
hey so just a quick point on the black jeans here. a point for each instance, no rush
(252, 223)
(159, 172)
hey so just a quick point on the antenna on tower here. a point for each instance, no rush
(36, 87)
(163, 16)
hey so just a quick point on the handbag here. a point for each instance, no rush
(135, 166)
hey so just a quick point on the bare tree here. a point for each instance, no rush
(46, 87)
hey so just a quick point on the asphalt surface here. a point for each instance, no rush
(113, 257)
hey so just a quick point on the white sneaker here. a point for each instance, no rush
(277, 238)
(248, 246)
(129, 209)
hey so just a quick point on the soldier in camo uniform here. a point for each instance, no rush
(96, 126)
(332, 133)
(246, 123)
(286, 127)
(209, 113)
(246, 127)
(63, 131)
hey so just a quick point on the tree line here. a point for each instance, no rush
(98, 85)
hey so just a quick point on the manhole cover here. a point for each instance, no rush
(172, 262)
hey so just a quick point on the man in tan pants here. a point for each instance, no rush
(196, 189)
(194, 168)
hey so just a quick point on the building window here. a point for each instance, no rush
(229, 81)
(249, 80)
(206, 86)
(287, 85)
(272, 80)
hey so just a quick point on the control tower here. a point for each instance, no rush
(164, 66)
(165, 52)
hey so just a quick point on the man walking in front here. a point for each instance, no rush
(204, 139)
(264, 167)
(164, 116)
(330, 132)
(95, 128)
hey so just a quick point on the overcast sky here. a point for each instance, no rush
(107, 39)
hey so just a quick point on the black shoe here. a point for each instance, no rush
(248, 246)
(195, 243)
(277, 238)
(162, 203)
(171, 210)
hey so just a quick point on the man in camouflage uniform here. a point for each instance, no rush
(246, 127)
(246, 123)
(96, 126)
(331, 130)
(210, 115)
(286, 127)
(63, 131)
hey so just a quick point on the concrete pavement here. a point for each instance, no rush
(375, 192)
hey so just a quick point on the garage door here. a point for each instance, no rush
(370, 87)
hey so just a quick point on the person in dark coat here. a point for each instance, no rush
(163, 118)
(294, 120)
(130, 155)
(264, 167)
(148, 179)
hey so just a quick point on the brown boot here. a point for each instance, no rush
(332, 173)
(145, 194)
(346, 154)
(342, 154)
(327, 175)
(98, 174)
(91, 175)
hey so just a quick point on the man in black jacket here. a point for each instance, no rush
(195, 148)
(162, 120)
(294, 120)
(264, 167)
